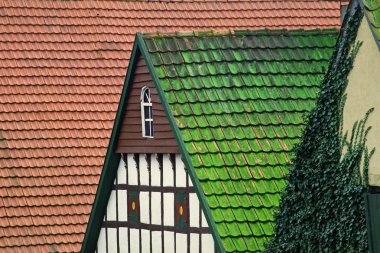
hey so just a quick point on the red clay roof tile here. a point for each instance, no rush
(62, 68)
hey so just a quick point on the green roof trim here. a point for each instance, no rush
(237, 99)
(111, 163)
(372, 12)
(184, 153)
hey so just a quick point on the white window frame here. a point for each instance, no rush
(143, 105)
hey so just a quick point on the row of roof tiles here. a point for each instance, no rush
(162, 5)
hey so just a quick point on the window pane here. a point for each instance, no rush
(147, 96)
(148, 128)
(150, 112)
(151, 128)
(146, 112)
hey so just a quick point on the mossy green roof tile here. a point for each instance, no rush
(372, 11)
(239, 100)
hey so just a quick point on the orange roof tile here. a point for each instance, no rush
(62, 66)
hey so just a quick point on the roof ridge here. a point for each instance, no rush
(214, 33)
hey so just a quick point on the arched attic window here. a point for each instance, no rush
(146, 113)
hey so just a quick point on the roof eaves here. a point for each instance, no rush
(262, 32)
(185, 155)
(110, 165)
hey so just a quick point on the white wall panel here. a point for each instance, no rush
(156, 242)
(122, 205)
(173, 242)
(190, 182)
(169, 209)
(168, 175)
(144, 173)
(111, 207)
(204, 221)
(207, 243)
(180, 172)
(112, 240)
(122, 173)
(134, 239)
(155, 170)
(123, 240)
(132, 170)
(169, 242)
(144, 207)
(194, 210)
(194, 243)
(102, 246)
(181, 242)
(145, 241)
(156, 208)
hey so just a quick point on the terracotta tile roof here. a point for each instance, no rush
(62, 66)
(213, 1)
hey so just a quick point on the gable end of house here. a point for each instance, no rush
(127, 139)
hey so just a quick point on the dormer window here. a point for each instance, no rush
(146, 113)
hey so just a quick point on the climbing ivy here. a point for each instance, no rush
(322, 208)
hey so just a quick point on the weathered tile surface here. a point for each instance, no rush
(372, 11)
(239, 101)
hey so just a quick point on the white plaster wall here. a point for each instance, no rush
(190, 182)
(193, 206)
(173, 242)
(181, 242)
(156, 208)
(132, 170)
(122, 205)
(145, 241)
(207, 243)
(156, 173)
(156, 242)
(169, 209)
(144, 207)
(169, 242)
(168, 173)
(123, 238)
(180, 173)
(144, 173)
(111, 207)
(194, 243)
(204, 221)
(122, 173)
(112, 240)
(363, 93)
(134, 239)
(102, 245)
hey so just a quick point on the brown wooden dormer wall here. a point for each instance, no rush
(130, 138)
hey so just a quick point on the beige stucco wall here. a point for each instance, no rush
(363, 93)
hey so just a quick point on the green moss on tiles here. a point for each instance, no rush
(322, 207)
(239, 101)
